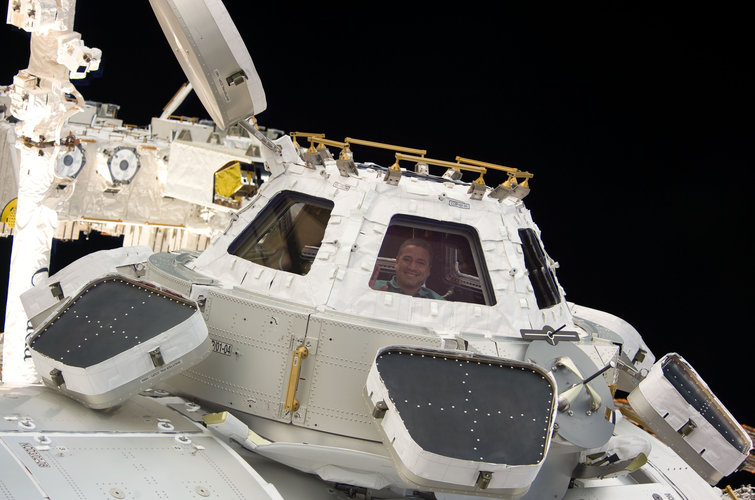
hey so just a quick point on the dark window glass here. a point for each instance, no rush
(286, 234)
(541, 276)
(457, 270)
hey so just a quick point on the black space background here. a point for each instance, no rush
(636, 120)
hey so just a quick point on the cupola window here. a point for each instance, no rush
(286, 234)
(433, 260)
(541, 276)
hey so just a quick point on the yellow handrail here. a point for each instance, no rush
(299, 354)
(373, 144)
(443, 163)
(418, 155)
(516, 172)
(294, 135)
(328, 142)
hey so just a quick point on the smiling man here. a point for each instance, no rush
(413, 264)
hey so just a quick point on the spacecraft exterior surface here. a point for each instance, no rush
(396, 331)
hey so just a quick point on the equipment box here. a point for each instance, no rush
(680, 408)
(116, 338)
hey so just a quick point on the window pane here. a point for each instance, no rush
(286, 234)
(541, 277)
(455, 268)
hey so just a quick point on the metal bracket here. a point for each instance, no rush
(392, 176)
(477, 190)
(687, 428)
(201, 302)
(236, 78)
(483, 479)
(57, 377)
(551, 335)
(157, 357)
(639, 356)
(311, 344)
(380, 408)
(265, 140)
(57, 290)
(346, 167)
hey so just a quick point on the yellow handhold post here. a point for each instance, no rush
(299, 354)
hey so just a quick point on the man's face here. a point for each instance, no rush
(412, 268)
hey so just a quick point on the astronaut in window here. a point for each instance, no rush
(413, 265)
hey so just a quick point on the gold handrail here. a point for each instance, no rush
(294, 135)
(322, 142)
(328, 142)
(299, 354)
(373, 144)
(730, 492)
(494, 166)
(441, 163)
(486, 164)
(306, 134)
(418, 155)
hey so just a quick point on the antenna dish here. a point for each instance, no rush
(212, 53)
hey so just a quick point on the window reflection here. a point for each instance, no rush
(540, 274)
(286, 234)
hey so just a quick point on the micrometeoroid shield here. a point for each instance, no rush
(214, 57)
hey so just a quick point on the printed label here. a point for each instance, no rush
(221, 347)
(458, 204)
(161, 370)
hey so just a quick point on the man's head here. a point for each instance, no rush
(413, 265)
